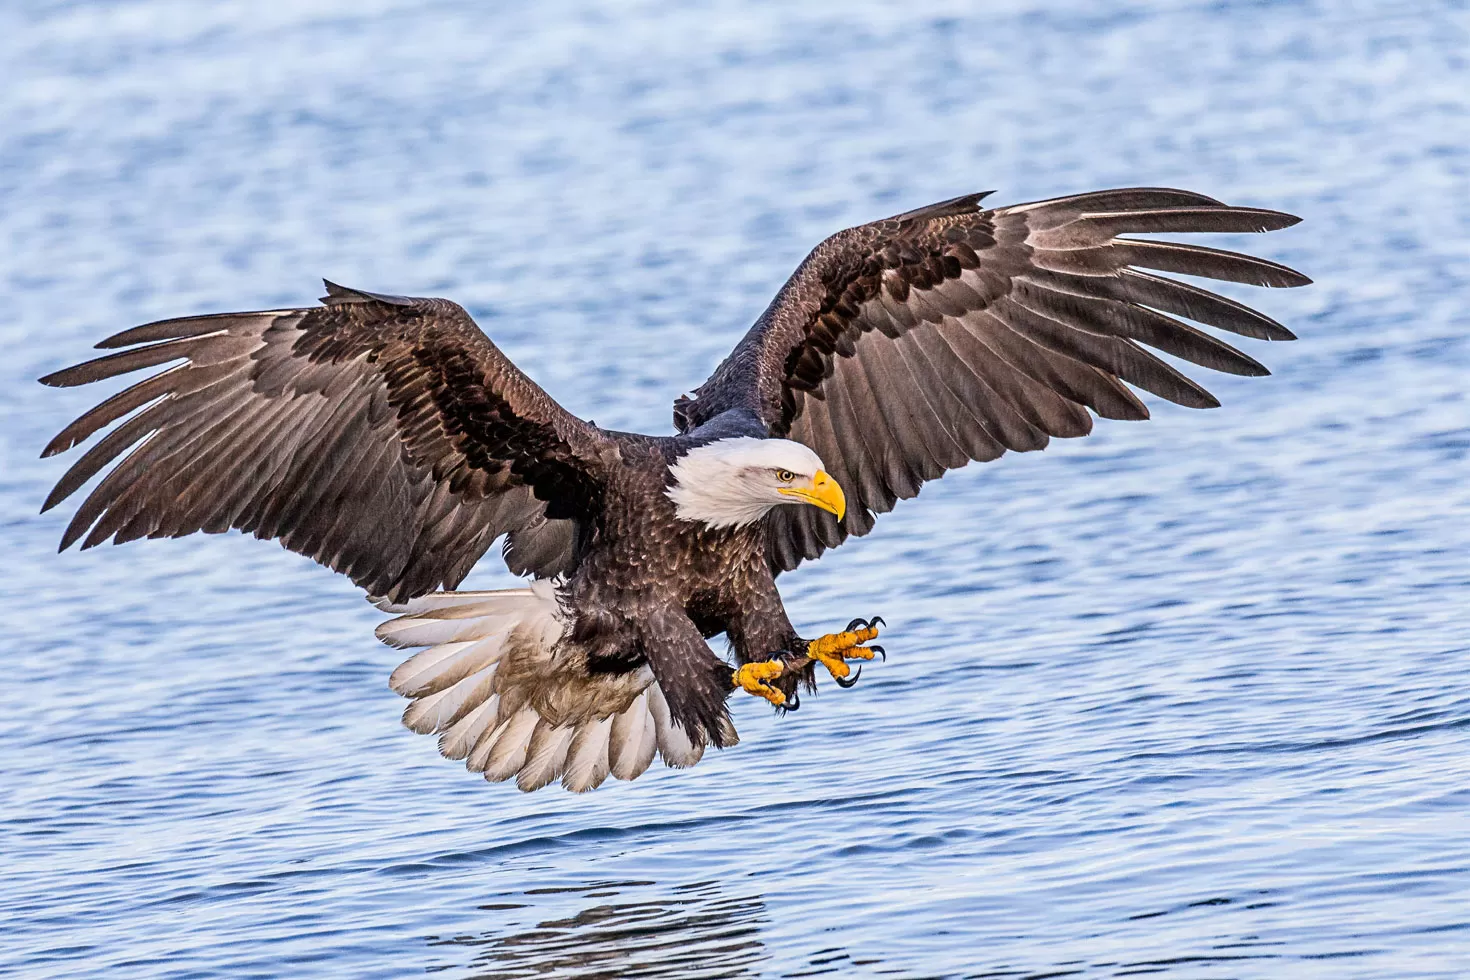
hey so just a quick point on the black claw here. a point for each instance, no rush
(787, 659)
(850, 681)
(879, 651)
(793, 702)
(856, 624)
(877, 621)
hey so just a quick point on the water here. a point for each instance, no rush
(1187, 698)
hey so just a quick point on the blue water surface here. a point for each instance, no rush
(1186, 698)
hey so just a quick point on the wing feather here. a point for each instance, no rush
(1124, 360)
(1197, 304)
(1042, 406)
(862, 472)
(915, 419)
(899, 470)
(1197, 260)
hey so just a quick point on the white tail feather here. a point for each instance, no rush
(462, 736)
(587, 758)
(442, 600)
(494, 661)
(546, 756)
(437, 712)
(479, 754)
(438, 667)
(509, 742)
(633, 741)
(434, 629)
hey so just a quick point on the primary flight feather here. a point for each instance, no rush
(389, 439)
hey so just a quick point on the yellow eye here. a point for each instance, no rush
(785, 476)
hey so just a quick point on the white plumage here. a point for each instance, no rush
(730, 482)
(494, 666)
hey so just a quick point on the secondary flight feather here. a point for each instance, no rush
(389, 439)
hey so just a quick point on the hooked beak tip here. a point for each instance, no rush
(829, 494)
(824, 492)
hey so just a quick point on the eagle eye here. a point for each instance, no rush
(785, 476)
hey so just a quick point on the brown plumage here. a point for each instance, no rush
(907, 347)
(390, 440)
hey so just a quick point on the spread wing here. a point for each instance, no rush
(385, 437)
(910, 346)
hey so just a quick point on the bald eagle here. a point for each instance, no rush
(387, 438)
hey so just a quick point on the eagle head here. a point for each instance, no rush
(734, 482)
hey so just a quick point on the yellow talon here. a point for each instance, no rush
(835, 649)
(751, 678)
(832, 651)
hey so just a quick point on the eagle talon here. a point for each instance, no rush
(834, 650)
(882, 654)
(850, 681)
(752, 678)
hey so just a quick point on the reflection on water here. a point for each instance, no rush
(617, 929)
(691, 931)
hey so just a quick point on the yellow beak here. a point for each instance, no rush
(823, 492)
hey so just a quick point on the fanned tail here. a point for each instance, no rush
(502, 691)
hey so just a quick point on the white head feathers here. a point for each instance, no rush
(733, 482)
